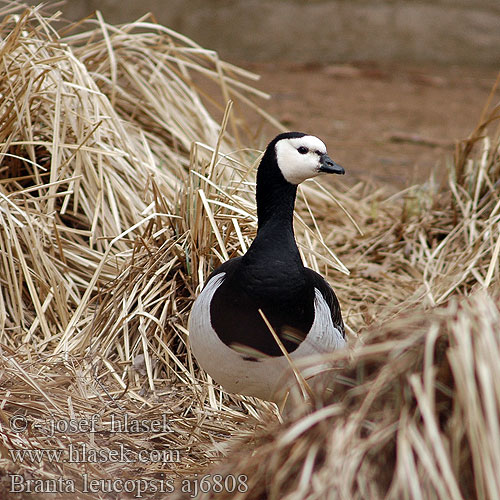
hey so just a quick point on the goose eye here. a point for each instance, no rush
(302, 150)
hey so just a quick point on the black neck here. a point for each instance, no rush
(275, 205)
(272, 267)
(275, 240)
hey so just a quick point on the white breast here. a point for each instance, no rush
(268, 377)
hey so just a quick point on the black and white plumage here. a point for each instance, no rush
(228, 336)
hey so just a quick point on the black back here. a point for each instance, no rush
(235, 317)
(235, 313)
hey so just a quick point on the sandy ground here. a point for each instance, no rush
(387, 123)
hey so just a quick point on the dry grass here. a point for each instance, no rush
(107, 150)
(414, 414)
(124, 181)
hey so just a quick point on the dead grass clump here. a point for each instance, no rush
(414, 415)
(97, 267)
(79, 147)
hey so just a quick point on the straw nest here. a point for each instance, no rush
(123, 182)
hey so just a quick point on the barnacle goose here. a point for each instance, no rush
(228, 335)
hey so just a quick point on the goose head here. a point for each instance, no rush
(300, 157)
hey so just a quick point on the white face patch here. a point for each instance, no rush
(299, 158)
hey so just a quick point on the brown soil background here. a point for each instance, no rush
(391, 124)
